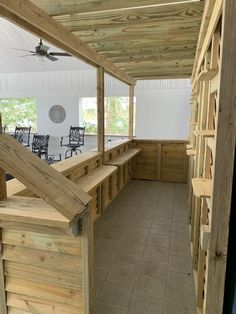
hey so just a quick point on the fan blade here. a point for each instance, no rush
(27, 55)
(63, 54)
(51, 58)
(23, 50)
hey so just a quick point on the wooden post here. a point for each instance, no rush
(3, 195)
(224, 163)
(131, 111)
(100, 108)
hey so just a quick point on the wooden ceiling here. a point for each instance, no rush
(148, 39)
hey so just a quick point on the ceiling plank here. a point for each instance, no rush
(165, 33)
(33, 19)
(62, 7)
(152, 16)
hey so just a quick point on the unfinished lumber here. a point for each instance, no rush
(202, 187)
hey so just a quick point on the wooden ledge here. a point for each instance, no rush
(202, 187)
(124, 157)
(191, 152)
(189, 146)
(20, 209)
(205, 133)
(96, 177)
(207, 75)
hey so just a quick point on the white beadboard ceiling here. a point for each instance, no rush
(12, 36)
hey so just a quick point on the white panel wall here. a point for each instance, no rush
(162, 106)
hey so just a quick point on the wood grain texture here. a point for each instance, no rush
(60, 7)
(100, 109)
(224, 163)
(41, 179)
(161, 160)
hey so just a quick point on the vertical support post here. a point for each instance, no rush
(224, 163)
(131, 111)
(100, 108)
(3, 195)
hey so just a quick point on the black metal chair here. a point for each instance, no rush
(22, 134)
(3, 129)
(40, 145)
(76, 140)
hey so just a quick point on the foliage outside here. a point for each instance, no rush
(18, 112)
(116, 115)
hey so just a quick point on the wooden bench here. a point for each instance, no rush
(88, 173)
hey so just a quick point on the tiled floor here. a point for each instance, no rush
(142, 252)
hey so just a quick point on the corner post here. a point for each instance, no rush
(100, 109)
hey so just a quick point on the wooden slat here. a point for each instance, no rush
(100, 109)
(42, 179)
(131, 111)
(205, 133)
(30, 17)
(36, 274)
(202, 187)
(45, 242)
(49, 292)
(59, 7)
(191, 152)
(124, 157)
(26, 303)
(44, 259)
(150, 16)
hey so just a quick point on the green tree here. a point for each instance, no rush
(19, 112)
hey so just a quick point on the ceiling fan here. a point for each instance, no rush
(41, 51)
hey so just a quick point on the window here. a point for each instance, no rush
(116, 115)
(18, 112)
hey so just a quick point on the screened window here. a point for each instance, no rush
(116, 115)
(18, 112)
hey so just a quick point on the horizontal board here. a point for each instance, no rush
(43, 275)
(44, 259)
(41, 241)
(38, 306)
(45, 292)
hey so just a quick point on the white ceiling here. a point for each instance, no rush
(12, 36)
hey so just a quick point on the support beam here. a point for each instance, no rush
(3, 195)
(100, 108)
(224, 163)
(27, 15)
(131, 111)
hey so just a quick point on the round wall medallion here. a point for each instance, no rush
(57, 114)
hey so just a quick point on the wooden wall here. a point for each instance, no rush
(161, 160)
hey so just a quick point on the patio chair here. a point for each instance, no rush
(75, 141)
(22, 134)
(40, 145)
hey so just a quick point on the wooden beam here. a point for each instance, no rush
(131, 111)
(3, 196)
(224, 164)
(216, 13)
(27, 15)
(60, 7)
(100, 108)
(42, 179)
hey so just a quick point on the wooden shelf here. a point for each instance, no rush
(207, 75)
(123, 158)
(202, 187)
(205, 133)
(191, 152)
